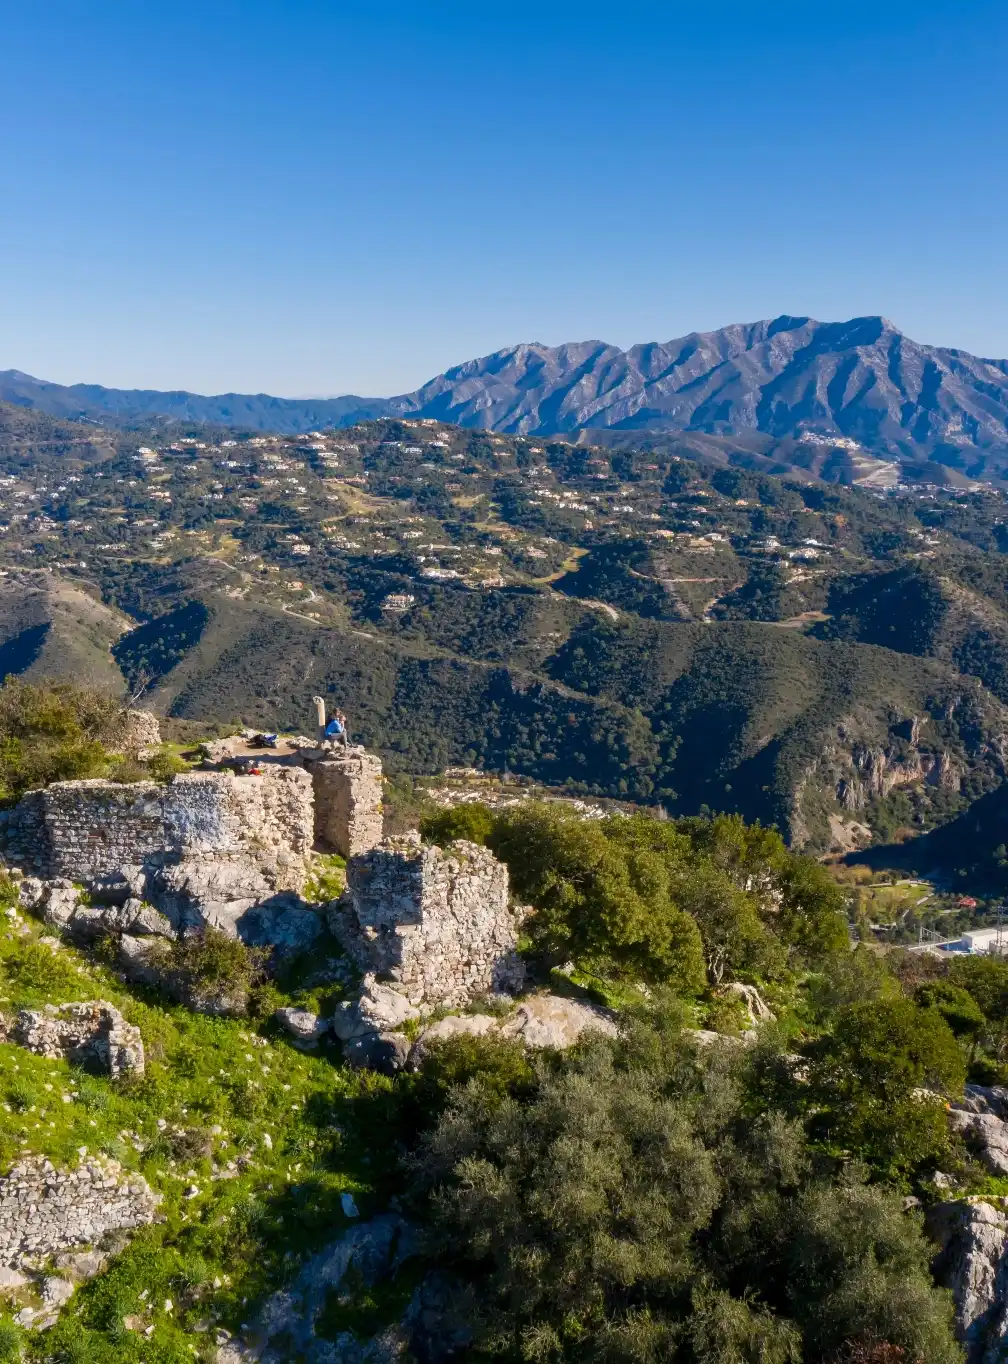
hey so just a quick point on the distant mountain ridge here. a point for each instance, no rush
(789, 377)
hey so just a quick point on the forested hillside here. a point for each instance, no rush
(658, 625)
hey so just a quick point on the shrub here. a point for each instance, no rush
(471, 821)
(629, 1206)
(868, 1076)
(52, 732)
(212, 972)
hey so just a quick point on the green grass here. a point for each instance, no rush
(213, 1091)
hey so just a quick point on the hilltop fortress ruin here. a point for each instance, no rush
(231, 851)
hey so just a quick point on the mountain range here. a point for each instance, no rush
(860, 382)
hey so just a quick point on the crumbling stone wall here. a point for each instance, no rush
(139, 730)
(434, 921)
(95, 1032)
(44, 1210)
(88, 829)
(348, 810)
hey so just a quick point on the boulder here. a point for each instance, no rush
(283, 922)
(385, 1052)
(756, 1007)
(377, 1009)
(302, 1026)
(979, 1117)
(367, 1253)
(556, 1021)
(208, 892)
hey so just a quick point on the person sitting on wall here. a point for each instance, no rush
(337, 729)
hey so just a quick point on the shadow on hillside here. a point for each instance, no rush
(971, 849)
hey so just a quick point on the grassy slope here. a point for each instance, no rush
(217, 1251)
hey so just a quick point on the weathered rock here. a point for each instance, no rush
(377, 1008)
(756, 1007)
(133, 917)
(11, 1280)
(303, 1027)
(56, 1291)
(556, 1021)
(385, 1052)
(283, 923)
(348, 804)
(208, 892)
(979, 1118)
(371, 1252)
(93, 1033)
(974, 1265)
(434, 922)
(44, 1210)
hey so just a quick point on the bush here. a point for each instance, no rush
(473, 821)
(52, 732)
(868, 1076)
(678, 902)
(212, 972)
(629, 1206)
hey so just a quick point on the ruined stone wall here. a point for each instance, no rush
(434, 921)
(92, 1032)
(87, 829)
(348, 792)
(44, 1210)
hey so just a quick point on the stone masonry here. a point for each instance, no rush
(348, 809)
(95, 1032)
(435, 922)
(44, 1210)
(89, 829)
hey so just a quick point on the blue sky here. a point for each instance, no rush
(325, 198)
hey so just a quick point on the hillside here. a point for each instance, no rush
(839, 387)
(635, 624)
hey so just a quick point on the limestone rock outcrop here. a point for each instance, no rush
(44, 1210)
(94, 1033)
(973, 1262)
(981, 1119)
(433, 921)
(370, 1252)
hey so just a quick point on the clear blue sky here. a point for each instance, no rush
(325, 198)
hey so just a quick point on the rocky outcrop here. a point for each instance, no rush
(44, 1210)
(981, 1119)
(434, 921)
(972, 1237)
(348, 800)
(86, 1034)
(877, 773)
(367, 1254)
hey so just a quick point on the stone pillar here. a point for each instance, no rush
(348, 813)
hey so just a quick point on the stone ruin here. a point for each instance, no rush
(92, 1034)
(434, 922)
(88, 829)
(347, 789)
(44, 1210)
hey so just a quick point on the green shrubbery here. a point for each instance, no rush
(633, 1205)
(683, 903)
